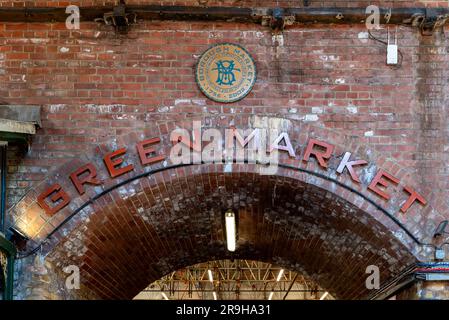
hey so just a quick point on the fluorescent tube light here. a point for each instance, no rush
(280, 275)
(230, 230)
(324, 295)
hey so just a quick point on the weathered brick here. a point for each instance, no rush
(97, 87)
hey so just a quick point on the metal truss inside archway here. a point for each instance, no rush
(233, 280)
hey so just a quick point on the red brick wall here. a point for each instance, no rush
(95, 86)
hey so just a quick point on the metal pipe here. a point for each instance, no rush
(10, 278)
(237, 14)
(3, 169)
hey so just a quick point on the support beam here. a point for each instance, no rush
(290, 287)
(253, 15)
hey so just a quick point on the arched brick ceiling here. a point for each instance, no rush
(132, 241)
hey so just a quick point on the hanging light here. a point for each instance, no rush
(324, 295)
(215, 295)
(211, 278)
(230, 230)
(280, 275)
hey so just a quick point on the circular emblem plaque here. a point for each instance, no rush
(226, 72)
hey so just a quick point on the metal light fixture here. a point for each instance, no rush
(119, 18)
(211, 278)
(280, 275)
(18, 238)
(324, 295)
(441, 229)
(440, 254)
(230, 230)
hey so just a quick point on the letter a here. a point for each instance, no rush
(373, 280)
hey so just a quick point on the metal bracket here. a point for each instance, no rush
(428, 22)
(278, 20)
(119, 18)
(432, 23)
(387, 16)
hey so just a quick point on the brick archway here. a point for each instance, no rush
(136, 228)
(129, 242)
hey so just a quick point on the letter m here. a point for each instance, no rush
(234, 134)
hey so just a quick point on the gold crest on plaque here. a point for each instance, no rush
(226, 72)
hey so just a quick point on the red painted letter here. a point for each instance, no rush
(90, 178)
(143, 153)
(320, 156)
(378, 181)
(345, 163)
(112, 164)
(414, 196)
(56, 194)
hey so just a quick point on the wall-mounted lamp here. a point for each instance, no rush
(441, 229)
(440, 254)
(18, 238)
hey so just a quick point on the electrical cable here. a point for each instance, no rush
(433, 270)
(439, 264)
(403, 278)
